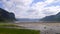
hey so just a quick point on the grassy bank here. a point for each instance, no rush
(18, 31)
(4, 29)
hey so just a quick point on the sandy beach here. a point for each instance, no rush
(45, 28)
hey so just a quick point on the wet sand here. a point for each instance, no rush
(45, 28)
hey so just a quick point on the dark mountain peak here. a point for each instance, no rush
(58, 14)
(6, 16)
(3, 11)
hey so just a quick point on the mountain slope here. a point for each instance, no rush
(52, 18)
(6, 16)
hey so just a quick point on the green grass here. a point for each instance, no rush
(8, 25)
(4, 29)
(18, 31)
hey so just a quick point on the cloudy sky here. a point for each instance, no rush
(31, 8)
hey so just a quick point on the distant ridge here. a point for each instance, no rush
(27, 20)
(52, 18)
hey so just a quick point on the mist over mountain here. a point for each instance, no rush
(52, 18)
